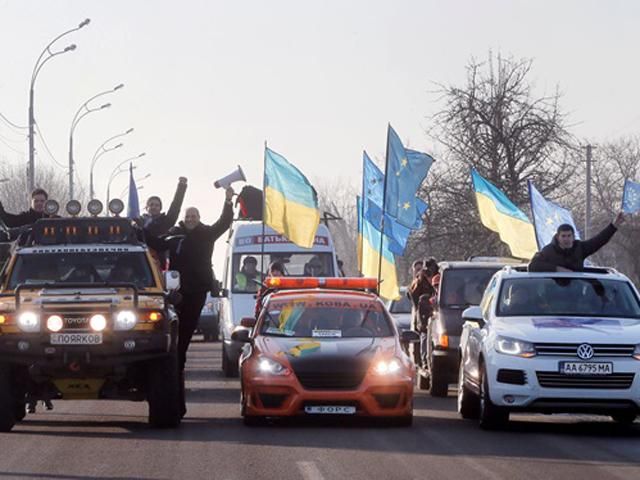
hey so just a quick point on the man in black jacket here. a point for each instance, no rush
(566, 254)
(190, 246)
(156, 223)
(28, 217)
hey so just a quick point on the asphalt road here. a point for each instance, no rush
(111, 440)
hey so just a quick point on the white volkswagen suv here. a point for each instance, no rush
(552, 343)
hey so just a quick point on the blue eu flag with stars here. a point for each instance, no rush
(547, 217)
(406, 170)
(631, 197)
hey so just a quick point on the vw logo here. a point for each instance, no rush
(585, 351)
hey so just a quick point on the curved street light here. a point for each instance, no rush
(101, 150)
(82, 112)
(138, 182)
(42, 60)
(118, 170)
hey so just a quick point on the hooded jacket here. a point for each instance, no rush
(552, 256)
(190, 251)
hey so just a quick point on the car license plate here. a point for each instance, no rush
(330, 410)
(76, 338)
(586, 368)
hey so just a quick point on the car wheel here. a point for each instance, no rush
(7, 401)
(439, 385)
(163, 395)
(624, 418)
(491, 417)
(20, 410)
(229, 369)
(468, 402)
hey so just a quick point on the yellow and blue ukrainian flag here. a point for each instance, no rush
(500, 214)
(291, 202)
(631, 197)
(369, 257)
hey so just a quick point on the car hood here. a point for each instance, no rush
(570, 329)
(304, 350)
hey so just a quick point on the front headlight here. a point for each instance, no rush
(271, 367)
(518, 348)
(125, 320)
(98, 323)
(636, 352)
(29, 322)
(387, 367)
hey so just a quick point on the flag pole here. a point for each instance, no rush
(533, 214)
(264, 208)
(384, 206)
(361, 232)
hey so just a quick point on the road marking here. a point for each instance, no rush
(439, 439)
(309, 471)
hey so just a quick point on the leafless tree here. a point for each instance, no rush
(338, 199)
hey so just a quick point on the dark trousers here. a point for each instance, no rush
(189, 310)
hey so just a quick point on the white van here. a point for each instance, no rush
(241, 281)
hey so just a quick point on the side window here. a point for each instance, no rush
(489, 293)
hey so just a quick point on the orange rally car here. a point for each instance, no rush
(323, 347)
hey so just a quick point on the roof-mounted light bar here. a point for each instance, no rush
(334, 283)
(51, 207)
(74, 207)
(95, 207)
(116, 206)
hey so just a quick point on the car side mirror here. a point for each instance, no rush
(171, 280)
(248, 322)
(241, 334)
(409, 336)
(473, 314)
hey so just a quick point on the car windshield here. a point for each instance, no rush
(325, 318)
(461, 287)
(579, 297)
(248, 268)
(82, 267)
(402, 305)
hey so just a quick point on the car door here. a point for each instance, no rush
(476, 333)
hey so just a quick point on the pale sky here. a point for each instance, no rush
(207, 82)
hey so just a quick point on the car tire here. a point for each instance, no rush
(7, 401)
(163, 395)
(439, 386)
(229, 369)
(624, 418)
(468, 402)
(490, 416)
(20, 410)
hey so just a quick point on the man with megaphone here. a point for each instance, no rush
(190, 246)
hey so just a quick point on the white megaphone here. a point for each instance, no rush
(235, 176)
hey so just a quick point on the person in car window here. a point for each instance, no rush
(566, 254)
(314, 267)
(248, 277)
(276, 269)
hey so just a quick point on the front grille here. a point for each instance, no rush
(270, 400)
(615, 381)
(570, 350)
(330, 380)
(387, 400)
(513, 377)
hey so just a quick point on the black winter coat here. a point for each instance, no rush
(13, 220)
(155, 227)
(190, 251)
(553, 256)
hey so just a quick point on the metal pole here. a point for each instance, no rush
(31, 169)
(587, 218)
(71, 197)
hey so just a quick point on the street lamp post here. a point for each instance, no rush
(118, 170)
(82, 112)
(102, 149)
(36, 69)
